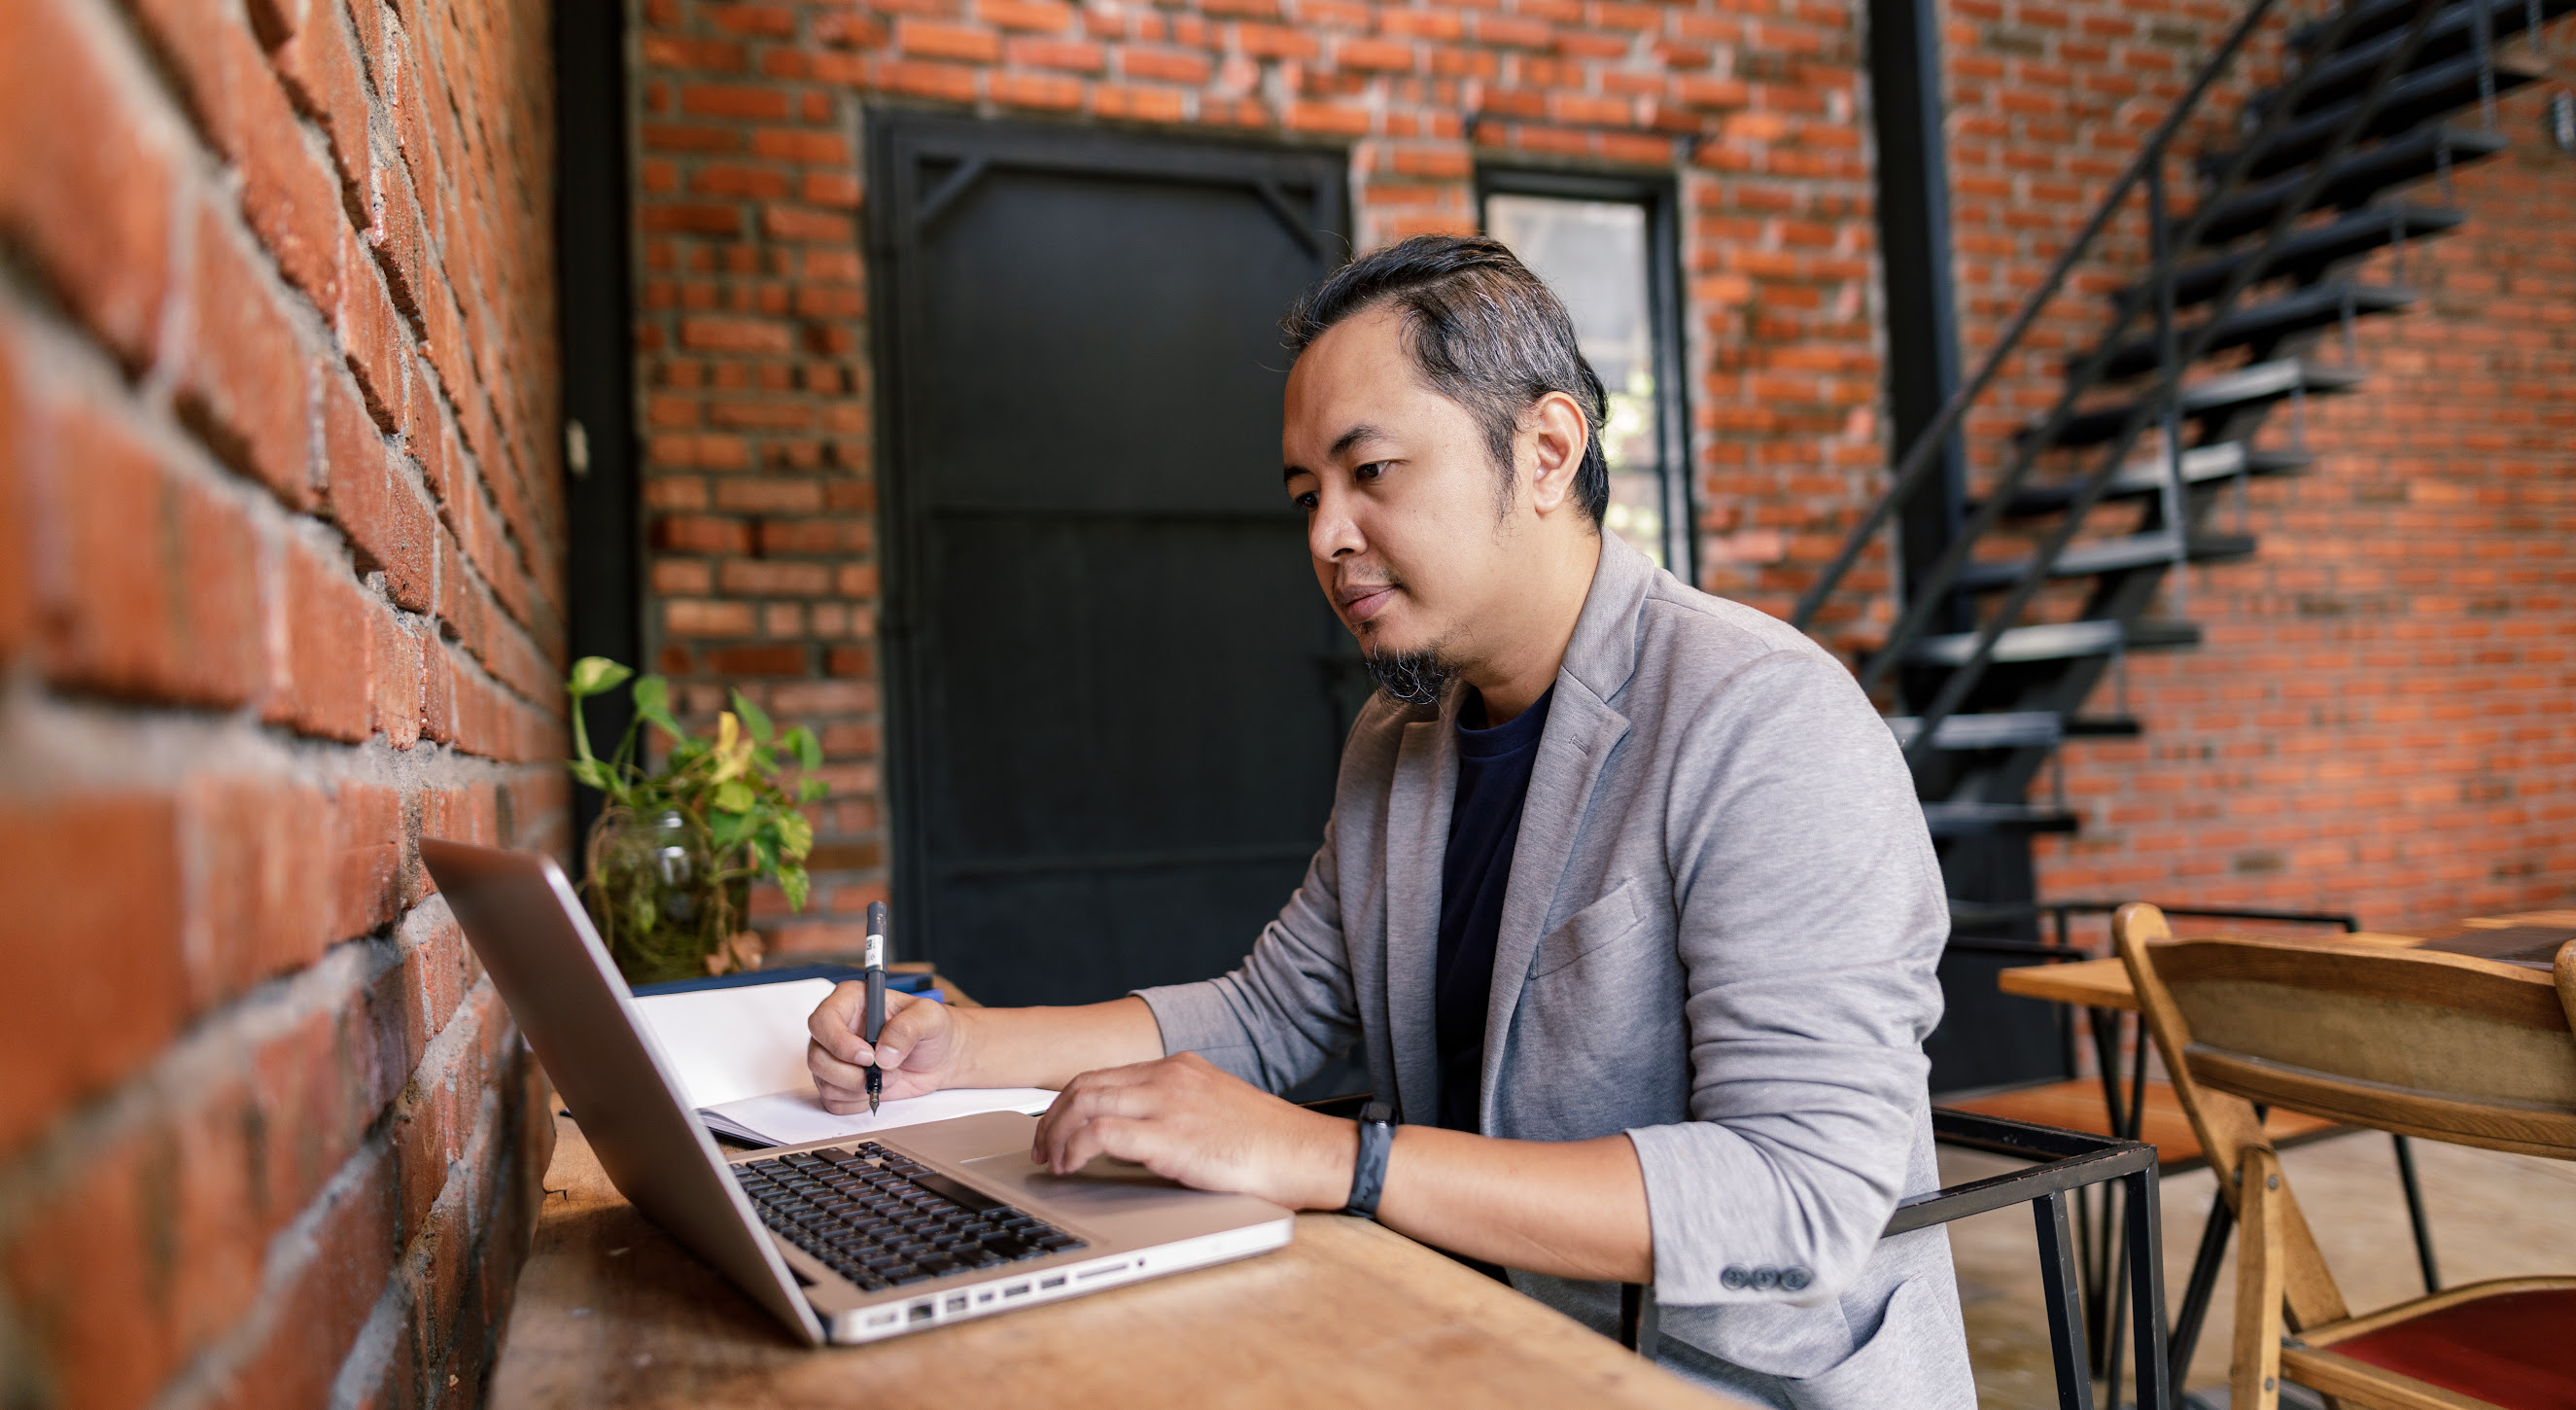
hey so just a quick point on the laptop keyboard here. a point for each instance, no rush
(882, 1220)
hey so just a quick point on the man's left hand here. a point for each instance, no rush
(1185, 1120)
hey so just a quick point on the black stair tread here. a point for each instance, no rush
(2302, 251)
(2453, 32)
(2200, 464)
(2002, 729)
(2245, 386)
(2316, 306)
(2107, 556)
(2425, 96)
(2355, 179)
(2379, 17)
(1979, 819)
(2103, 727)
(2055, 641)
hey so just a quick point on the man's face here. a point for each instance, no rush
(1403, 502)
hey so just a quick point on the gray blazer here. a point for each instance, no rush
(1718, 937)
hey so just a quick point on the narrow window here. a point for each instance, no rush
(1606, 245)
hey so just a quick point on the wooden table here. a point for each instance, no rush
(2104, 983)
(611, 1312)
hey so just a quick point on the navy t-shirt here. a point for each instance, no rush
(1484, 826)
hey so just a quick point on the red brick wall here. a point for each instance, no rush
(279, 595)
(759, 481)
(2378, 721)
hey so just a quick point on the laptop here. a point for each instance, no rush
(844, 1241)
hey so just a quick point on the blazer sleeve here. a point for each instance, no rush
(1811, 916)
(1288, 1009)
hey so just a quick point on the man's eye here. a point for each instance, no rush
(1369, 471)
(1304, 501)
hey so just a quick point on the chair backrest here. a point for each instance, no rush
(2443, 1046)
(2448, 1047)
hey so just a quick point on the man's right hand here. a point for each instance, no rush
(921, 1047)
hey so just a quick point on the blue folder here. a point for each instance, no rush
(907, 983)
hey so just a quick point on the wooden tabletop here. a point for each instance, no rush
(2104, 983)
(611, 1312)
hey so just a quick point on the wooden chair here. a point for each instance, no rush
(2445, 1047)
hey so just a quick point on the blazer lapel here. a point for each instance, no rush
(1582, 732)
(1417, 838)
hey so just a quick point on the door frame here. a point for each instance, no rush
(596, 302)
(897, 139)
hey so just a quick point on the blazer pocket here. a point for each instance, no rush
(1598, 926)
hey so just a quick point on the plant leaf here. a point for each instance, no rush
(652, 695)
(811, 790)
(592, 772)
(792, 881)
(593, 674)
(764, 856)
(728, 831)
(795, 835)
(753, 719)
(733, 796)
(808, 750)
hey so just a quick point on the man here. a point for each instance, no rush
(1625, 897)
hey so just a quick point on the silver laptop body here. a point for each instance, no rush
(521, 916)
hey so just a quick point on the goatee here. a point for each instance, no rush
(1409, 677)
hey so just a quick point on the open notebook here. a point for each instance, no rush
(739, 1053)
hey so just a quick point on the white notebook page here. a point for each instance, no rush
(739, 1054)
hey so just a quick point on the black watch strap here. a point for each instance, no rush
(1368, 1174)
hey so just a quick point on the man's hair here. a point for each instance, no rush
(1484, 331)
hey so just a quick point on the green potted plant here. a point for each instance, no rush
(673, 855)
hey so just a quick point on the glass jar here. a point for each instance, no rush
(654, 893)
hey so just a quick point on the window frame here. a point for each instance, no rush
(1658, 194)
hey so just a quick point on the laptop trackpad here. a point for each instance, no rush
(1103, 1187)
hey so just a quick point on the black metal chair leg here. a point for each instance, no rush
(2115, 1345)
(2125, 1123)
(2099, 1241)
(2196, 1293)
(2146, 1287)
(2125, 1113)
(2415, 1213)
(2136, 1119)
(2065, 1303)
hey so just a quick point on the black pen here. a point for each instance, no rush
(876, 997)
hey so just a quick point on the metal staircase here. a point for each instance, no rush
(2246, 308)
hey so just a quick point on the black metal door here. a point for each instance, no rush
(1116, 697)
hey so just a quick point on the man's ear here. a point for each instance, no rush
(1551, 444)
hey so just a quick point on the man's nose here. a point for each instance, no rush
(1332, 533)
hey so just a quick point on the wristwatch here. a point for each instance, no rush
(1368, 1175)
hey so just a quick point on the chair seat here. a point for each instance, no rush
(2516, 1350)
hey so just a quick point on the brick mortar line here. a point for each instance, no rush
(80, 743)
